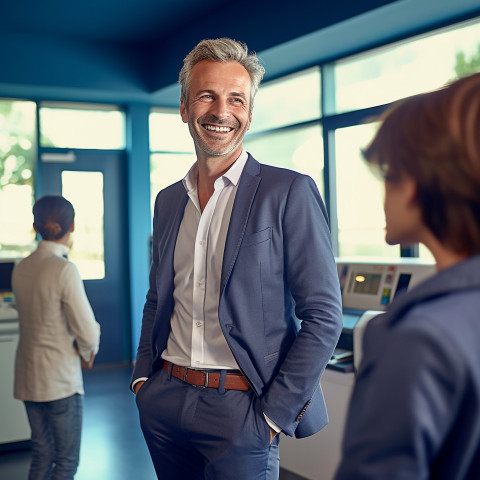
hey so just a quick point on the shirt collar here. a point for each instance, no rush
(232, 174)
(59, 249)
(235, 171)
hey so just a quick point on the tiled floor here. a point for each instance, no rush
(112, 443)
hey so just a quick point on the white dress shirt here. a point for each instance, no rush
(54, 312)
(196, 339)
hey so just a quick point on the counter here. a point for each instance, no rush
(14, 425)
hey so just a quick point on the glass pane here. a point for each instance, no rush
(87, 251)
(102, 129)
(361, 220)
(288, 101)
(425, 254)
(167, 168)
(299, 149)
(17, 159)
(405, 69)
(168, 133)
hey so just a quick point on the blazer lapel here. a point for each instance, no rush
(170, 217)
(247, 188)
(174, 220)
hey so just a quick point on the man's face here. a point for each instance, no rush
(218, 111)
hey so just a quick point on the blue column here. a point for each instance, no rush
(139, 217)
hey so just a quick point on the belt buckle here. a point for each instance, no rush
(205, 385)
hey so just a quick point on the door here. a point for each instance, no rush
(94, 181)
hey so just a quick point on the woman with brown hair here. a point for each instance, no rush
(415, 410)
(58, 335)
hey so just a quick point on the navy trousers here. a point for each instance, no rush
(196, 433)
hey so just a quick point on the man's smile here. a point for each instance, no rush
(216, 128)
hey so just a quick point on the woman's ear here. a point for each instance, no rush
(72, 227)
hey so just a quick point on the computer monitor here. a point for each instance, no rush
(6, 269)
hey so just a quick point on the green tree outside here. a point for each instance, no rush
(17, 142)
(466, 66)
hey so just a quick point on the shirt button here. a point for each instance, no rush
(198, 324)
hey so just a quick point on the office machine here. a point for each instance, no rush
(14, 427)
(368, 287)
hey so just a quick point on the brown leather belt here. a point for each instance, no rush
(203, 378)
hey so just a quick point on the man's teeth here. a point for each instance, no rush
(218, 129)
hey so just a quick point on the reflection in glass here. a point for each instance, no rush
(87, 251)
(361, 220)
(299, 149)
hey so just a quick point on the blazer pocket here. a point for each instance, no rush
(257, 237)
(271, 356)
(275, 355)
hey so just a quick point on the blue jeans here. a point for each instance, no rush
(56, 432)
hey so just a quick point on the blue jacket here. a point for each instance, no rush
(415, 410)
(280, 304)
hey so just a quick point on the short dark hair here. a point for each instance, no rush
(434, 138)
(53, 215)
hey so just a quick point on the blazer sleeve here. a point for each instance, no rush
(312, 279)
(79, 313)
(406, 397)
(143, 362)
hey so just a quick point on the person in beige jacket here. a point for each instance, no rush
(58, 336)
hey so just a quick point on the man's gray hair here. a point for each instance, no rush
(221, 50)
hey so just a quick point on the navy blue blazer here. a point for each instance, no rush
(280, 302)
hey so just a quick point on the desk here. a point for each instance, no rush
(318, 456)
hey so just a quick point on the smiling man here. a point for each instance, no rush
(219, 107)
(243, 310)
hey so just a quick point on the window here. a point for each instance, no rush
(168, 168)
(299, 149)
(332, 104)
(81, 126)
(288, 101)
(369, 80)
(17, 160)
(172, 150)
(285, 128)
(87, 250)
(424, 253)
(400, 70)
(361, 220)
(168, 133)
